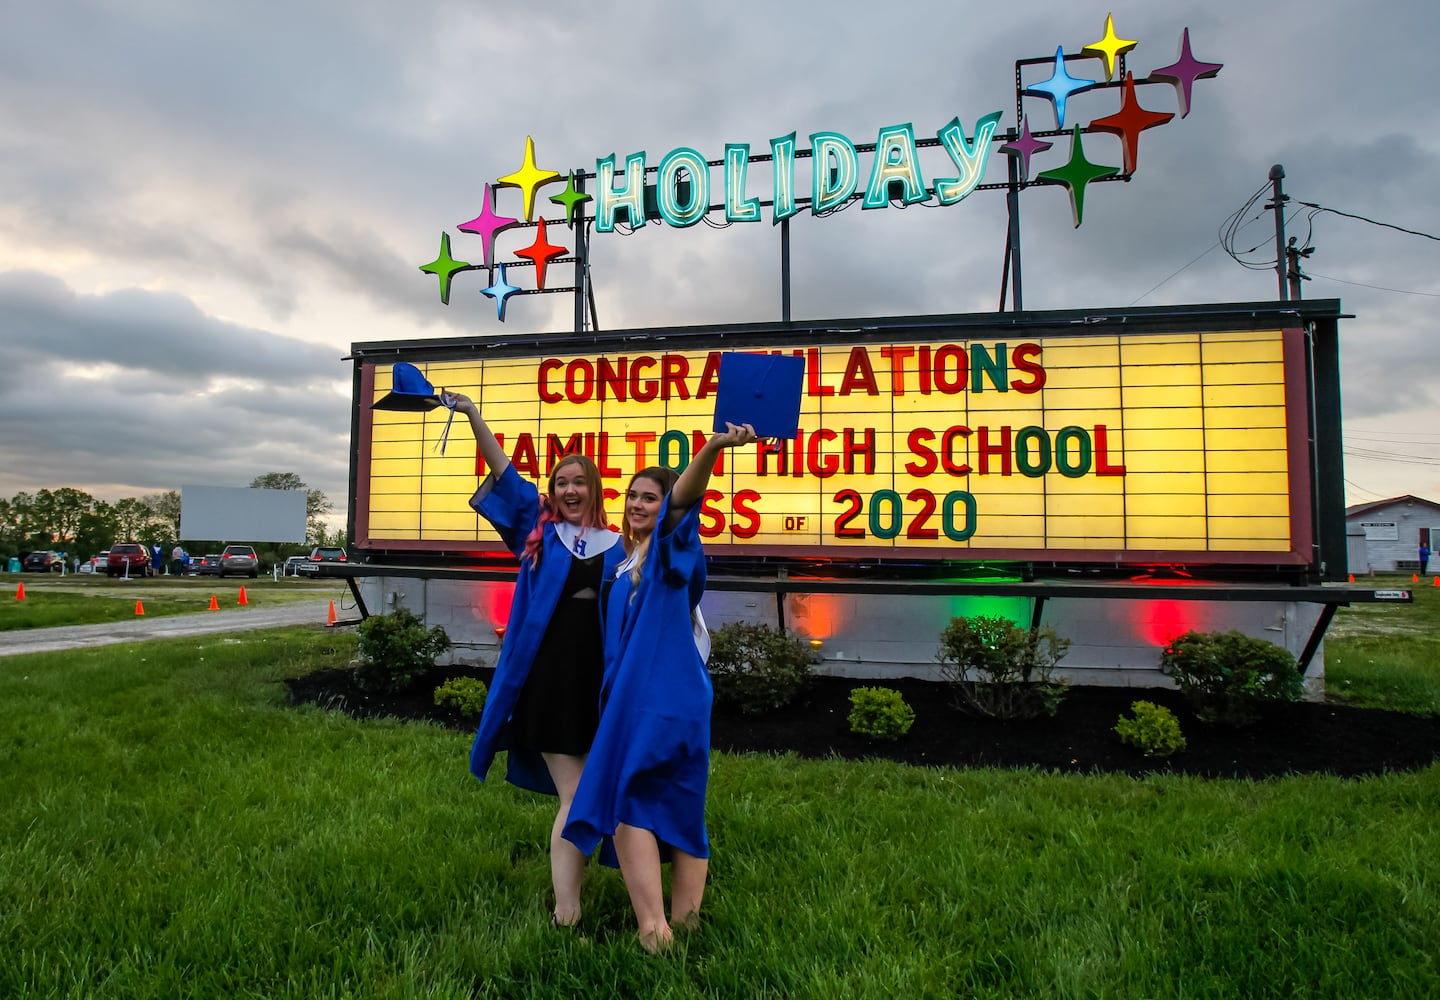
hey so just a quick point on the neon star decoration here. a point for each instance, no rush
(500, 291)
(1109, 48)
(445, 267)
(1076, 174)
(570, 199)
(1025, 147)
(528, 179)
(1129, 122)
(540, 253)
(1185, 72)
(895, 159)
(1060, 87)
(487, 225)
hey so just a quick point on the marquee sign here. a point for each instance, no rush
(1106, 445)
(682, 187)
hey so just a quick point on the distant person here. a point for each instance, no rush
(77, 564)
(157, 558)
(1424, 556)
(177, 561)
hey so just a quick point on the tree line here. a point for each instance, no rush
(74, 522)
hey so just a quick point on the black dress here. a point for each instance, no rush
(559, 706)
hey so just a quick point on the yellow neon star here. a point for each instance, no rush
(528, 178)
(1110, 47)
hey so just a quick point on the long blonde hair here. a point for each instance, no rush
(663, 478)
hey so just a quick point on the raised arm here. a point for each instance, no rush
(495, 458)
(689, 489)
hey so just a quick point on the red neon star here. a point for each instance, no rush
(1129, 122)
(540, 253)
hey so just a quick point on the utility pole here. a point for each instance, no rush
(1277, 174)
(1293, 256)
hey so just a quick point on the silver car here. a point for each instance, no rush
(240, 560)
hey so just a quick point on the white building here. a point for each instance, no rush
(1385, 536)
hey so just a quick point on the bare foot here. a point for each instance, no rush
(567, 916)
(657, 941)
(686, 921)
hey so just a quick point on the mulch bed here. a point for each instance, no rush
(1289, 738)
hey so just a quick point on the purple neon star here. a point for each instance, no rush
(487, 224)
(500, 291)
(1024, 147)
(1185, 72)
(1059, 87)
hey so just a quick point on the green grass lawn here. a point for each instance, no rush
(173, 829)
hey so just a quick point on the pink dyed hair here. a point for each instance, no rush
(592, 517)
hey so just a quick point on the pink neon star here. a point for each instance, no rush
(1184, 72)
(487, 224)
(1024, 147)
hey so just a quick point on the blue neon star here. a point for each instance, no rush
(1059, 87)
(500, 291)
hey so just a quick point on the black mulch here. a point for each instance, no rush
(1300, 737)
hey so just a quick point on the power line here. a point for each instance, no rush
(1202, 253)
(1378, 288)
(1373, 222)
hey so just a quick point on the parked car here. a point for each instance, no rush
(322, 554)
(45, 561)
(127, 559)
(239, 559)
(207, 565)
(293, 564)
(97, 564)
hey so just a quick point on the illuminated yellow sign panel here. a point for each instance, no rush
(1113, 448)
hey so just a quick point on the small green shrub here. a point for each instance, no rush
(757, 669)
(395, 650)
(996, 668)
(1227, 675)
(465, 695)
(1154, 730)
(880, 713)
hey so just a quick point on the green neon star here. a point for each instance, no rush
(1076, 174)
(570, 198)
(446, 267)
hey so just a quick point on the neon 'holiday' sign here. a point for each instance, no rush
(684, 185)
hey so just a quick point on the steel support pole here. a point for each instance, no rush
(1277, 174)
(785, 270)
(582, 258)
(1012, 205)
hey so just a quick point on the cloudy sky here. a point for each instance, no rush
(202, 211)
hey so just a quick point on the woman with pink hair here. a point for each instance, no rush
(543, 704)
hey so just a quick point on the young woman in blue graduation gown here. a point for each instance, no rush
(543, 703)
(644, 781)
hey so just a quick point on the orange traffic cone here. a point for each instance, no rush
(20, 592)
(1414, 577)
(242, 596)
(139, 608)
(1437, 581)
(214, 604)
(330, 618)
(1352, 577)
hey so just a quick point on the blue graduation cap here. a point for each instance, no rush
(762, 390)
(409, 391)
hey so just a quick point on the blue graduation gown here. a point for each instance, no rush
(511, 504)
(650, 761)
